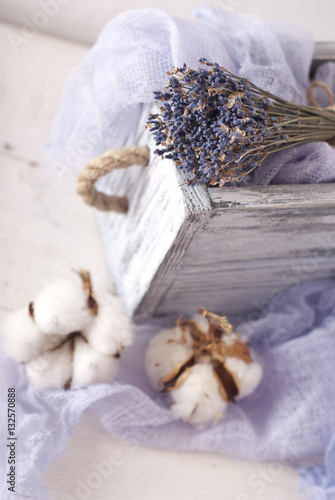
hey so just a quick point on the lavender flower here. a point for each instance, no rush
(219, 127)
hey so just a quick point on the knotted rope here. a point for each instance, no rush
(314, 102)
(312, 98)
(102, 165)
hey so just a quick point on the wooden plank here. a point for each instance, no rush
(274, 222)
(257, 242)
(281, 196)
(168, 271)
(324, 52)
(237, 288)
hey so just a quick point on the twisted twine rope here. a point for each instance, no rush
(139, 155)
(314, 102)
(312, 98)
(102, 165)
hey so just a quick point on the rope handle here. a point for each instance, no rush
(324, 86)
(102, 165)
(314, 102)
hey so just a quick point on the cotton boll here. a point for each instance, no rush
(201, 321)
(61, 307)
(198, 400)
(22, 339)
(90, 366)
(247, 375)
(166, 351)
(51, 370)
(110, 331)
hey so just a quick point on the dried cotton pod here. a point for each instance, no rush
(203, 365)
(65, 337)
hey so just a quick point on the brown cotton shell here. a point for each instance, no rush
(195, 331)
(183, 331)
(218, 356)
(182, 377)
(221, 321)
(228, 386)
(87, 285)
(68, 384)
(170, 381)
(31, 310)
(239, 350)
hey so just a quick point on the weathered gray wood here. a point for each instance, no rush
(240, 287)
(258, 241)
(227, 249)
(323, 52)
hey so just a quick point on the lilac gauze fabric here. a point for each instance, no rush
(103, 99)
(319, 481)
(289, 417)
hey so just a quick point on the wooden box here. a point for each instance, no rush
(227, 249)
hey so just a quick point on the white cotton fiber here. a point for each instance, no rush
(201, 322)
(110, 331)
(166, 350)
(22, 339)
(92, 367)
(61, 307)
(247, 375)
(198, 400)
(51, 370)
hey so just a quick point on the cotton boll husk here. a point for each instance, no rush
(201, 321)
(51, 370)
(90, 366)
(22, 339)
(198, 400)
(61, 307)
(165, 352)
(110, 331)
(248, 375)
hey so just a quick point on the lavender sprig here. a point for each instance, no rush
(220, 127)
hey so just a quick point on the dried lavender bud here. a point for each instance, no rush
(219, 127)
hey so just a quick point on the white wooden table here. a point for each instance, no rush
(45, 231)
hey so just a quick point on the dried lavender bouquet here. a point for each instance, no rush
(219, 127)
